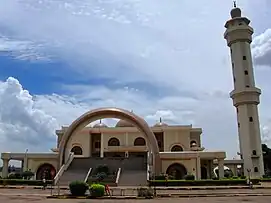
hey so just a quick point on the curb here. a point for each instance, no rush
(159, 196)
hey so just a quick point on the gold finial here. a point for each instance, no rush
(234, 4)
(160, 119)
(100, 121)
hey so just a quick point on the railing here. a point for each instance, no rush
(63, 168)
(86, 178)
(118, 176)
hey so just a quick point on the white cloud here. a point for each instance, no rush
(29, 122)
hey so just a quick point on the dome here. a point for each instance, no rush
(236, 12)
(160, 124)
(100, 125)
(124, 123)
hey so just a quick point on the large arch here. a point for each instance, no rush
(101, 113)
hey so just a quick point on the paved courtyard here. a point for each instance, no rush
(36, 199)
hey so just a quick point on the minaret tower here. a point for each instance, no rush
(245, 95)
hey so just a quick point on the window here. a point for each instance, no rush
(254, 152)
(247, 86)
(176, 148)
(231, 50)
(113, 142)
(250, 119)
(193, 143)
(234, 80)
(139, 142)
(232, 65)
(237, 110)
(238, 125)
(246, 72)
(244, 58)
(256, 169)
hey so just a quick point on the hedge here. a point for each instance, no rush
(266, 180)
(24, 182)
(201, 182)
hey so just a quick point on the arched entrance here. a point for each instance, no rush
(101, 113)
(46, 171)
(178, 171)
(204, 174)
(77, 150)
(176, 148)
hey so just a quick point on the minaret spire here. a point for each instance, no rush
(234, 4)
(160, 119)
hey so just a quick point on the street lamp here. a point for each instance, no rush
(25, 160)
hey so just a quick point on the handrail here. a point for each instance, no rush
(63, 168)
(86, 178)
(59, 174)
(69, 161)
(118, 176)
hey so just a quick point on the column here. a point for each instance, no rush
(126, 144)
(5, 168)
(221, 168)
(25, 166)
(102, 146)
(198, 168)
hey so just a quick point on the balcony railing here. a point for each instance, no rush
(123, 148)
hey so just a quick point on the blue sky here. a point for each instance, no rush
(156, 58)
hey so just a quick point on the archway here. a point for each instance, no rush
(176, 148)
(46, 171)
(77, 150)
(113, 142)
(139, 141)
(204, 174)
(178, 171)
(101, 113)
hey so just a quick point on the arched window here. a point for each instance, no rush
(113, 142)
(139, 142)
(176, 148)
(77, 150)
(193, 143)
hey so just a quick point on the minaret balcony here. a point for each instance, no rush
(246, 96)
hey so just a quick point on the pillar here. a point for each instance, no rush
(5, 168)
(198, 168)
(102, 146)
(221, 168)
(25, 164)
(126, 144)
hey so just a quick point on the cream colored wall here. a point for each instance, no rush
(177, 137)
(81, 139)
(34, 164)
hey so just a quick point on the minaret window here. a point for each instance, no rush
(237, 110)
(256, 169)
(250, 119)
(234, 79)
(254, 152)
(232, 65)
(238, 125)
(247, 86)
(231, 50)
(246, 72)
(244, 58)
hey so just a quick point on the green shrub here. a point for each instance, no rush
(27, 175)
(145, 192)
(235, 177)
(201, 182)
(14, 175)
(78, 188)
(243, 177)
(102, 169)
(97, 190)
(24, 182)
(189, 177)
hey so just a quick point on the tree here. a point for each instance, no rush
(266, 159)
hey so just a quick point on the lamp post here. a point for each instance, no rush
(249, 178)
(25, 160)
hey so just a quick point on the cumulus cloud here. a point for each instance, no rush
(261, 48)
(20, 123)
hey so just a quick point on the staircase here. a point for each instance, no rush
(77, 170)
(133, 178)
